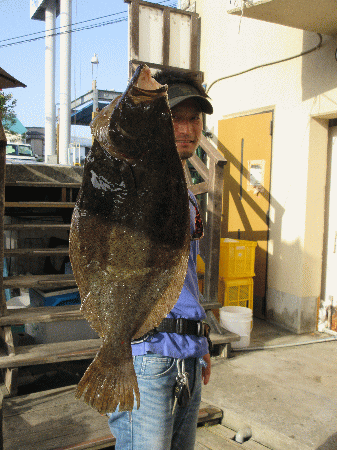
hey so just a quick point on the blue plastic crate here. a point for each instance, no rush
(52, 297)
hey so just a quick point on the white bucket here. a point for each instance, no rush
(239, 320)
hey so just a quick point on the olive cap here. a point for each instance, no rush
(179, 92)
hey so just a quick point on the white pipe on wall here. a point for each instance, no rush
(65, 80)
(50, 136)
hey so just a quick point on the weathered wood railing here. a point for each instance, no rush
(212, 174)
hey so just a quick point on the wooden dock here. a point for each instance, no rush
(55, 420)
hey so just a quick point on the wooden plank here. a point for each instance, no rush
(166, 37)
(55, 420)
(133, 33)
(3, 143)
(212, 232)
(64, 194)
(36, 252)
(211, 305)
(199, 166)
(53, 184)
(39, 281)
(7, 338)
(43, 314)
(208, 413)
(31, 355)
(195, 44)
(217, 438)
(225, 338)
(11, 380)
(39, 204)
(212, 151)
(200, 188)
(40, 226)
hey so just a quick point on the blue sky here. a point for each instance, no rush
(25, 60)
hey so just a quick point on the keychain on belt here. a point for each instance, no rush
(182, 393)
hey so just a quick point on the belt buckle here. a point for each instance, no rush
(206, 329)
(180, 329)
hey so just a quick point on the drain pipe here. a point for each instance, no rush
(248, 349)
(244, 434)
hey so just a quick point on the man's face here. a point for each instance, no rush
(187, 124)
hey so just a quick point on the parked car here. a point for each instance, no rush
(20, 154)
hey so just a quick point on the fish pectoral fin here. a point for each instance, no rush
(110, 381)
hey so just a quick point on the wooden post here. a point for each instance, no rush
(3, 143)
(211, 246)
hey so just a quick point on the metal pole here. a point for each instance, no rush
(65, 80)
(50, 138)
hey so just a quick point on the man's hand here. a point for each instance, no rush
(206, 371)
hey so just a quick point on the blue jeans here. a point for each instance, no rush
(153, 426)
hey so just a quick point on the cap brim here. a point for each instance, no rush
(180, 92)
(205, 105)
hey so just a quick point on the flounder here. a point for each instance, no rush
(129, 237)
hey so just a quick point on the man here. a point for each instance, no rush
(177, 348)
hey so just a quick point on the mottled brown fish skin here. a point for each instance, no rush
(129, 238)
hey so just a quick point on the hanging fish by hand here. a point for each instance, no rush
(129, 237)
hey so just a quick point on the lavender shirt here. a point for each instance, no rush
(188, 307)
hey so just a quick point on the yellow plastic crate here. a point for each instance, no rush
(200, 273)
(237, 292)
(237, 258)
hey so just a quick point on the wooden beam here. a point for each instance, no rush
(7, 338)
(212, 151)
(43, 314)
(36, 252)
(39, 205)
(3, 143)
(30, 355)
(212, 232)
(200, 188)
(166, 37)
(133, 33)
(34, 226)
(53, 184)
(195, 44)
(39, 281)
(200, 167)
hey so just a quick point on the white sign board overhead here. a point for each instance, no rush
(38, 7)
(151, 37)
(163, 36)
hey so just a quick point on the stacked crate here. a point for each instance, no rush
(236, 272)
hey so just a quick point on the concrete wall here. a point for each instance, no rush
(302, 92)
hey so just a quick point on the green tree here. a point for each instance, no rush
(7, 105)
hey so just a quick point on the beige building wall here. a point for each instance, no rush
(302, 92)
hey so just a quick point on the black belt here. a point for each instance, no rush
(179, 326)
(183, 326)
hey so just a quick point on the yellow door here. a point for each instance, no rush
(246, 144)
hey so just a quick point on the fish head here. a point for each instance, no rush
(127, 126)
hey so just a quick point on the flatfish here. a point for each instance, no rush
(129, 236)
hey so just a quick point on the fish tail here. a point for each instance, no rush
(107, 384)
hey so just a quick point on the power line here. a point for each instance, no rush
(89, 27)
(57, 28)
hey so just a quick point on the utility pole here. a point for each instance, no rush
(65, 80)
